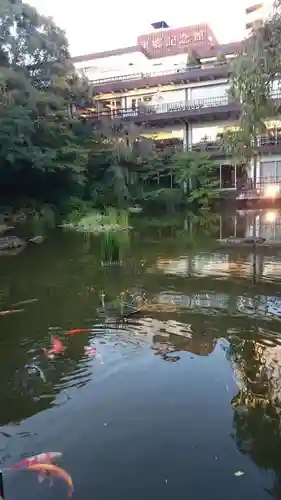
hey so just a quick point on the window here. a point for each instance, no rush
(270, 169)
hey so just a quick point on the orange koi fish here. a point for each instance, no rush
(74, 331)
(42, 458)
(57, 348)
(53, 471)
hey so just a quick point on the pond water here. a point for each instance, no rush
(183, 398)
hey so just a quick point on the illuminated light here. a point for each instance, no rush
(271, 191)
(270, 216)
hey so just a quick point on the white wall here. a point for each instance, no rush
(209, 91)
(158, 98)
(123, 64)
(166, 63)
(170, 96)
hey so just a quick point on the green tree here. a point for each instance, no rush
(196, 173)
(40, 147)
(253, 74)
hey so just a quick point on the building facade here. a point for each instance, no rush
(174, 85)
(256, 14)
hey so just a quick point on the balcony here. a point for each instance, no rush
(210, 108)
(177, 111)
(266, 187)
(270, 144)
(150, 79)
(212, 148)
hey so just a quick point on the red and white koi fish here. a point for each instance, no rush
(53, 471)
(57, 348)
(10, 311)
(74, 331)
(91, 351)
(42, 458)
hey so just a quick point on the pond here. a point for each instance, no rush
(182, 399)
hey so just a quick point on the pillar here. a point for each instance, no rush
(220, 176)
(189, 136)
(185, 137)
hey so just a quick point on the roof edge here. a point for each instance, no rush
(203, 52)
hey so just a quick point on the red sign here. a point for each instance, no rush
(174, 41)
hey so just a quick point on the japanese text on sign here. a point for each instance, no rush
(170, 41)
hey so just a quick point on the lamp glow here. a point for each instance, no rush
(271, 191)
(270, 216)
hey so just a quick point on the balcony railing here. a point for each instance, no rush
(207, 147)
(151, 74)
(270, 140)
(170, 107)
(268, 187)
(217, 145)
(209, 102)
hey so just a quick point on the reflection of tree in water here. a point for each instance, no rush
(257, 406)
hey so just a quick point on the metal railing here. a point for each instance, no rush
(263, 140)
(169, 107)
(269, 186)
(209, 102)
(151, 74)
(206, 146)
(269, 140)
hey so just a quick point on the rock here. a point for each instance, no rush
(249, 240)
(11, 242)
(36, 239)
(4, 228)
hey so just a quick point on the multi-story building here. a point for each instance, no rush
(174, 85)
(256, 14)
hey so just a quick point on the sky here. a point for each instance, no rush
(93, 26)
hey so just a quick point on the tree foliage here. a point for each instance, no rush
(38, 88)
(253, 74)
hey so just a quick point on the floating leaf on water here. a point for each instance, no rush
(239, 473)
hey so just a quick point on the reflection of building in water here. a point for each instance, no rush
(258, 376)
(264, 223)
(229, 263)
(215, 264)
(176, 334)
(208, 302)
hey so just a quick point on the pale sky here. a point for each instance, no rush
(93, 26)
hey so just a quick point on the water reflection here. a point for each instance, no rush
(257, 405)
(205, 341)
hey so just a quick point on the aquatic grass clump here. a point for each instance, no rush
(97, 222)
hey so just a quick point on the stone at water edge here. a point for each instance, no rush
(7, 242)
(36, 239)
